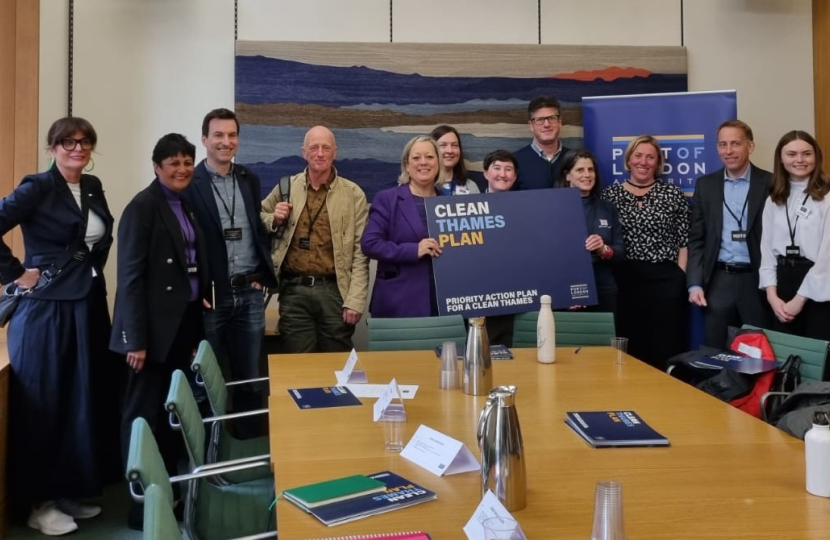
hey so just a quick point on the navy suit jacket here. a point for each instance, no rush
(52, 223)
(153, 284)
(200, 198)
(707, 223)
(393, 230)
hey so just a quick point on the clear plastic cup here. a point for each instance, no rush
(608, 512)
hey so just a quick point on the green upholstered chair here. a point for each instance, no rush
(573, 328)
(813, 352)
(415, 333)
(212, 512)
(159, 521)
(185, 416)
(223, 446)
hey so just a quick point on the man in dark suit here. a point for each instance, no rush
(725, 238)
(225, 198)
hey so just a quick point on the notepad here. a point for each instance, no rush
(399, 493)
(330, 491)
(614, 428)
(414, 535)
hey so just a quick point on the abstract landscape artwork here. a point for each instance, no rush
(376, 96)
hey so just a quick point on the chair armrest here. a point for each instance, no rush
(201, 382)
(764, 399)
(246, 381)
(233, 416)
(670, 369)
(263, 536)
(206, 471)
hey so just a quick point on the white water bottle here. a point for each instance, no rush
(545, 332)
(817, 452)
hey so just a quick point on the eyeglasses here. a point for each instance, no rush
(70, 144)
(540, 120)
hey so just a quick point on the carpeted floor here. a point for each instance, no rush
(110, 525)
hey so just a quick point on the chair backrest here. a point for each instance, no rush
(145, 465)
(159, 520)
(416, 333)
(813, 352)
(573, 328)
(207, 367)
(182, 404)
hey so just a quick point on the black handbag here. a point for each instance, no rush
(9, 297)
(11, 293)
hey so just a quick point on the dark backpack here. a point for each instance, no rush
(787, 378)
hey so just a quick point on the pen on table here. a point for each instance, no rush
(576, 351)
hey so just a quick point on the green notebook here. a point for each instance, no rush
(339, 489)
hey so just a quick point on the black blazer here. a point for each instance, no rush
(707, 223)
(199, 194)
(52, 223)
(153, 285)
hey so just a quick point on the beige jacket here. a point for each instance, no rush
(347, 209)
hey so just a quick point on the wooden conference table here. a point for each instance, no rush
(726, 474)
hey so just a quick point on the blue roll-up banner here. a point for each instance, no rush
(503, 251)
(683, 123)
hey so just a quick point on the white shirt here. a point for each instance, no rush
(95, 227)
(812, 235)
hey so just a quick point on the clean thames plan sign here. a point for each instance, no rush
(503, 251)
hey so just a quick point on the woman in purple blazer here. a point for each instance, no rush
(396, 236)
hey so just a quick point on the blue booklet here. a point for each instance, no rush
(734, 361)
(614, 428)
(323, 397)
(399, 493)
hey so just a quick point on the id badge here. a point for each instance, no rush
(234, 233)
(793, 251)
(305, 243)
(739, 236)
(803, 212)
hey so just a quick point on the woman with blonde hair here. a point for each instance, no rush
(396, 236)
(652, 307)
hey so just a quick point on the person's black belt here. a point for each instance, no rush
(734, 268)
(794, 261)
(308, 281)
(240, 280)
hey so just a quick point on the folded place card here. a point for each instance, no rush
(389, 399)
(489, 507)
(352, 372)
(439, 453)
(367, 390)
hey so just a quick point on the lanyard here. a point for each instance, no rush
(792, 228)
(232, 209)
(311, 219)
(740, 220)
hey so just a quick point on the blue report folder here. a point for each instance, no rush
(614, 428)
(323, 397)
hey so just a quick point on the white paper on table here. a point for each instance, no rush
(490, 506)
(408, 391)
(438, 453)
(348, 374)
(389, 392)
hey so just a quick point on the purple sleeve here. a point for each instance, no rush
(382, 239)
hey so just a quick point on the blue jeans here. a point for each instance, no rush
(235, 330)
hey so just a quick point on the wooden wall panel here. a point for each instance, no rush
(821, 71)
(19, 58)
(19, 74)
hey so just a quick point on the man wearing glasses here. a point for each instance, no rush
(539, 161)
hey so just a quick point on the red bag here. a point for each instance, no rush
(750, 340)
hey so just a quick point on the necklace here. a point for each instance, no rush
(632, 184)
